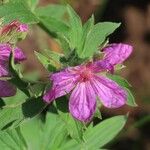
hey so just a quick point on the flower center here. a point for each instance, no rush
(85, 75)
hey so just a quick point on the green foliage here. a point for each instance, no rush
(12, 115)
(22, 106)
(70, 123)
(86, 29)
(12, 139)
(17, 10)
(32, 4)
(17, 76)
(50, 60)
(104, 132)
(75, 33)
(131, 100)
(88, 38)
(50, 11)
(51, 20)
(84, 39)
(48, 135)
(53, 134)
(53, 26)
(54, 128)
(96, 37)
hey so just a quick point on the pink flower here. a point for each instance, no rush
(7, 89)
(86, 85)
(14, 25)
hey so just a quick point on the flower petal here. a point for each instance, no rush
(117, 53)
(7, 89)
(113, 54)
(19, 55)
(102, 65)
(109, 92)
(63, 83)
(5, 50)
(82, 103)
(3, 68)
(23, 28)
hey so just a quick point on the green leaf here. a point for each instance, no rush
(53, 55)
(71, 145)
(12, 140)
(37, 89)
(55, 11)
(86, 29)
(11, 113)
(96, 37)
(131, 99)
(32, 4)
(98, 113)
(70, 122)
(51, 20)
(104, 132)
(48, 135)
(33, 107)
(53, 25)
(17, 76)
(64, 43)
(77, 127)
(48, 63)
(15, 100)
(121, 81)
(17, 10)
(36, 134)
(75, 32)
(8, 116)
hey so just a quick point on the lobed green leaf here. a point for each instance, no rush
(96, 37)
(17, 10)
(101, 134)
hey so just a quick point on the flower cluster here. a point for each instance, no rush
(6, 88)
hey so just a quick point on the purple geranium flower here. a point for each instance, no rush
(6, 88)
(86, 85)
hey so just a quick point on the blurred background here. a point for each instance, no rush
(135, 30)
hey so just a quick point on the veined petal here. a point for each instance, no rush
(113, 54)
(19, 55)
(102, 65)
(23, 28)
(109, 92)
(5, 50)
(82, 103)
(117, 53)
(3, 68)
(63, 83)
(7, 89)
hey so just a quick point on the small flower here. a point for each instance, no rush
(7, 89)
(86, 85)
(14, 26)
